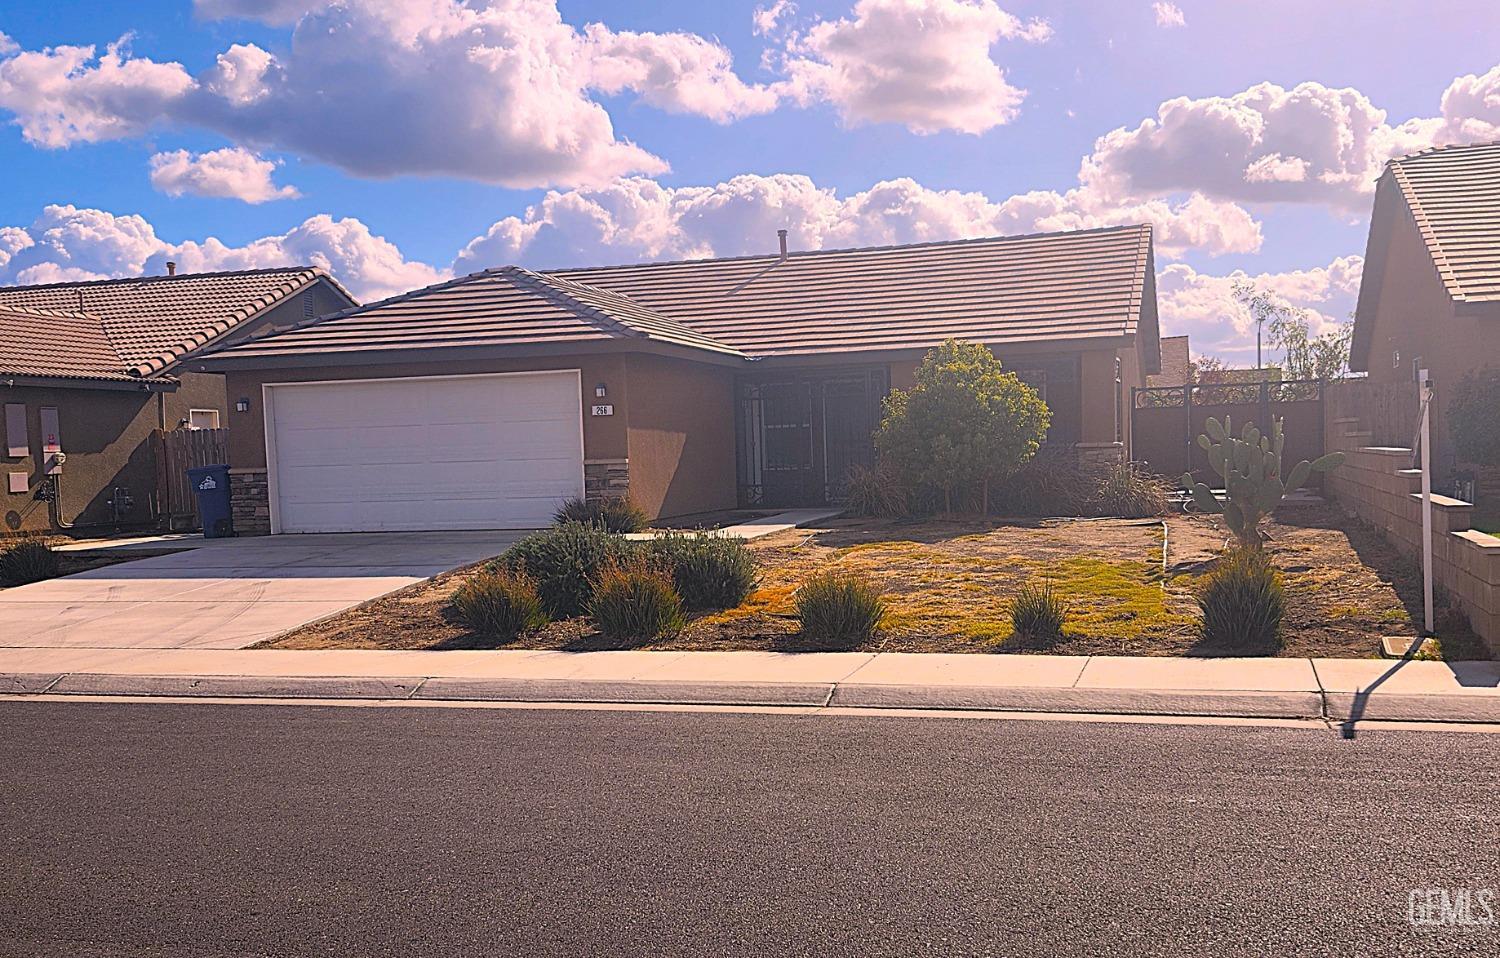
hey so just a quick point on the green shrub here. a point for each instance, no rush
(499, 604)
(564, 560)
(1037, 613)
(28, 560)
(875, 492)
(1472, 419)
(710, 571)
(1242, 602)
(635, 600)
(1051, 484)
(839, 609)
(611, 515)
(1124, 491)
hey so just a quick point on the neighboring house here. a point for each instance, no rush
(91, 369)
(692, 386)
(1430, 294)
(1176, 364)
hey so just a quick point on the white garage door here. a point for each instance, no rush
(462, 452)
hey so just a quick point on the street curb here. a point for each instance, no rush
(1333, 706)
(234, 686)
(648, 693)
(1229, 704)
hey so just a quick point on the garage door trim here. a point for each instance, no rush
(268, 403)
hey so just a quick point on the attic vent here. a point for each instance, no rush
(307, 305)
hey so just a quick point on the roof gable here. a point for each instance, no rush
(1453, 193)
(506, 306)
(153, 322)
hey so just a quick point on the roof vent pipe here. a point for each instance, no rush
(781, 237)
(171, 268)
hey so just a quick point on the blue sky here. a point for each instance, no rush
(422, 137)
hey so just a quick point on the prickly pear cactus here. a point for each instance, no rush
(1250, 467)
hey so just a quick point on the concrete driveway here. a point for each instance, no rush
(230, 593)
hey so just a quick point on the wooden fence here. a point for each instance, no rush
(1388, 411)
(179, 450)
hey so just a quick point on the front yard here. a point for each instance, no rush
(949, 585)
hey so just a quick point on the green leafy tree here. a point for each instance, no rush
(966, 422)
(1324, 356)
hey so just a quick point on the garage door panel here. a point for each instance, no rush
(462, 453)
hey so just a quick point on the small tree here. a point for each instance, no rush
(1472, 417)
(965, 422)
(1324, 356)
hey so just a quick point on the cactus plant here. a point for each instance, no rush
(1250, 467)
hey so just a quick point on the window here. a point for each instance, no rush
(203, 419)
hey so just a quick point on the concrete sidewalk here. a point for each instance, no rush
(1336, 689)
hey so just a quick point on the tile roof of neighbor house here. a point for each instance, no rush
(57, 345)
(1090, 284)
(1454, 195)
(1176, 363)
(496, 307)
(153, 321)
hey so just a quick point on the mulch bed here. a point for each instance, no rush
(949, 585)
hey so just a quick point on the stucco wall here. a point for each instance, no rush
(681, 436)
(106, 435)
(1415, 316)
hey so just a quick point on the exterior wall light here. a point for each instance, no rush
(242, 405)
(600, 391)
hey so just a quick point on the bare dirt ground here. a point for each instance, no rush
(949, 585)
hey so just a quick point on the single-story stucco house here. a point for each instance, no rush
(91, 369)
(1430, 294)
(692, 386)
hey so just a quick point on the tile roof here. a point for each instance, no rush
(57, 345)
(1454, 194)
(1042, 288)
(153, 321)
(496, 307)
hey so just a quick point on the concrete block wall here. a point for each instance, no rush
(1379, 484)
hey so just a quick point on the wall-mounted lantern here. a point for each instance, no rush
(242, 405)
(600, 391)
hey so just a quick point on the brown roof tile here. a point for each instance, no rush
(154, 321)
(56, 345)
(1043, 287)
(497, 307)
(1454, 194)
(1063, 288)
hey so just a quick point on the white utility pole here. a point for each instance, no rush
(1426, 441)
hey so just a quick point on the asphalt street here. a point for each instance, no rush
(201, 829)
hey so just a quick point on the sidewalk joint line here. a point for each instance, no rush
(420, 682)
(51, 685)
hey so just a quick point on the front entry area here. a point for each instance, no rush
(800, 433)
(497, 451)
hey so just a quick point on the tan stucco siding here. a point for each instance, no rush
(681, 435)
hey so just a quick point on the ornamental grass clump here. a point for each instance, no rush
(635, 601)
(839, 610)
(710, 571)
(1125, 491)
(28, 560)
(611, 514)
(1038, 613)
(564, 561)
(1242, 602)
(499, 604)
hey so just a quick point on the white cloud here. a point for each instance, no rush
(1309, 144)
(64, 95)
(1202, 306)
(640, 219)
(766, 19)
(922, 63)
(230, 173)
(70, 243)
(1168, 15)
(500, 92)
(676, 72)
(1471, 108)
